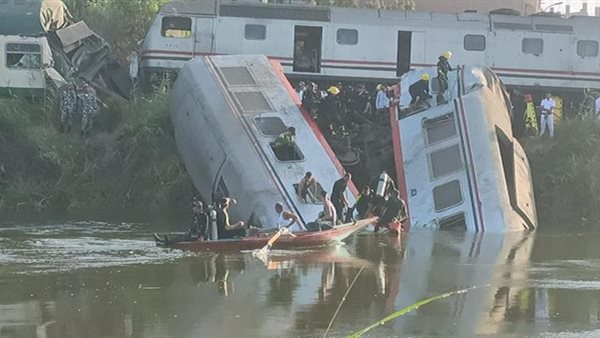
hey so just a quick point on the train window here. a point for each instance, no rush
(474, 42)
(447, 195)
(23, 55)
(176, 27)
(255, 32)
(587, 48)
(347, 36)
(440, 128)
(270, 125)
(532, 46)
(286, 152)
(445, 161)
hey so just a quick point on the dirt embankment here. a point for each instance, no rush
(128, 170)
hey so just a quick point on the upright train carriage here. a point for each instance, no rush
(541, 53)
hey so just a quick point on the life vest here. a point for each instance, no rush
(531, 118)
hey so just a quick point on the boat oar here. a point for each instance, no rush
(272, 240)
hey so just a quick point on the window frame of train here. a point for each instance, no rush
(286, 152)
(256, 32)
(23, 49)
(346, 36)
(584, 45)
(447, 195)
(311, 39)
(404, 51)
(533, 46)
(179, 27)
(474, 42)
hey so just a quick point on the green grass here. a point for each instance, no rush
(128, 169)
(566, 174)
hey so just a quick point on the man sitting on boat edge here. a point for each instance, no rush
(287, 219)
(225, 229)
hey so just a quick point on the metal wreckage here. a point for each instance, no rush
(42, 48)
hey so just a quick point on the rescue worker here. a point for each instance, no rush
(338, 197)
(547, 106)
(382, 101)
(443, 67)
(200, 220)
(88, 108)
(328, 218)
(359, 100)
(531, 124)
(68, 107)
(224, 227)
(362, 205)
(287, 137)
(419, 91)
(286, 219)
(307, 187)
(329, 111)
(394, 211)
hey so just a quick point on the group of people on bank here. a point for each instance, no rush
(77, 101)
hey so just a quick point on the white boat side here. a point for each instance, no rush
(460, 164)
(226, 111)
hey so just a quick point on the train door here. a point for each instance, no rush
(307, 49)
(204, 37)
(404, 52)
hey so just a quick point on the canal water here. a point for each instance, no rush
(90, 280)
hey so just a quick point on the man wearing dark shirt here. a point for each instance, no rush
(225, 229)
(337, 195)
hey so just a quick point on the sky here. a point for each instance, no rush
(575, 5)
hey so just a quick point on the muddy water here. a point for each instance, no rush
(102, 280)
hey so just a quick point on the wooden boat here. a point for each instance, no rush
(297, 240)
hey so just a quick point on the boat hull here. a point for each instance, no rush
(299, 240)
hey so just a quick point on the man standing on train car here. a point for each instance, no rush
(382, 101)
(338, 197)
(547, 107)
(443, 67)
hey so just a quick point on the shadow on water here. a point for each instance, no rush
(110, 281)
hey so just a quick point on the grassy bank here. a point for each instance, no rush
(129, 169)
(566, 172)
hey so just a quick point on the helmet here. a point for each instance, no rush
(447, 54)
(425, 77)
(333, 90)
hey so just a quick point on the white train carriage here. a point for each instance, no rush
(227, 111)
(23, 64)
(313, 41)
(458, 164)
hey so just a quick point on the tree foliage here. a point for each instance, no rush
(379, 4)
(123, 23)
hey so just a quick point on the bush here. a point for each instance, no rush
(566, 174)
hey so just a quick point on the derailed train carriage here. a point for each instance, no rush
(458, 164)
(535, 52)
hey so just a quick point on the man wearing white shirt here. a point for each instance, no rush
(547, 107)
(597, 106)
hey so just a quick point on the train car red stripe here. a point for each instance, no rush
(399, 161)
(279, 70)
(375, 63)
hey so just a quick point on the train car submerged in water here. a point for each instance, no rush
(457, 163)
(227, 112)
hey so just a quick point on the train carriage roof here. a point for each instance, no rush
(353, 16)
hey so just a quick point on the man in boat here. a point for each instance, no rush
(200, 220)
(363, 203)
(338, 197)
(419, 91)
(287, 219)
(307, 187)
(327, 218)
(394, 211)
(225, 229)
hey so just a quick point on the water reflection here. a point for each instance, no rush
(530, 288)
